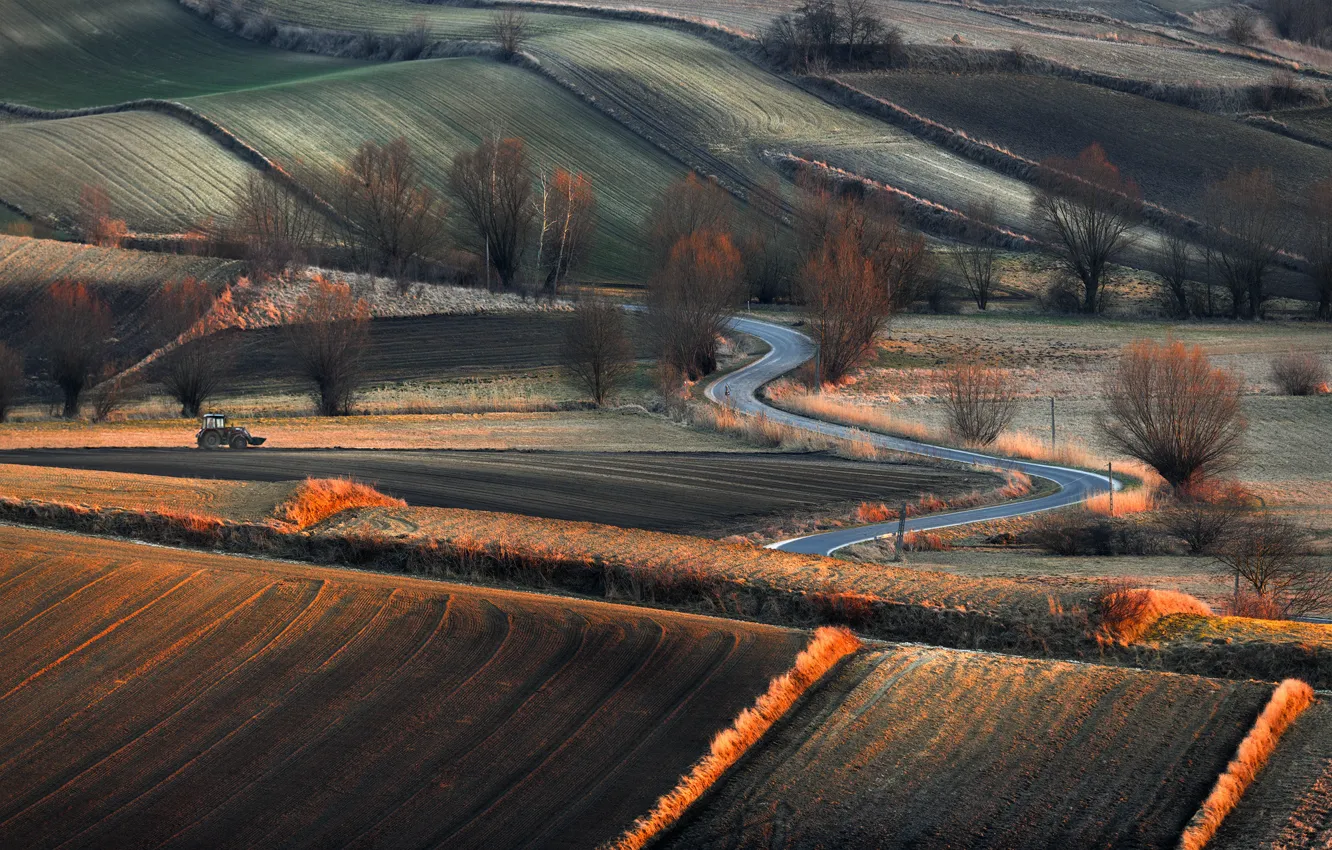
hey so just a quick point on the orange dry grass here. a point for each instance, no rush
(1128, 614)
(1126, 502)
(1288, 701)
(828, 646)
(317, 499)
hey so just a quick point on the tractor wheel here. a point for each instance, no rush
(210, 440)
(239, 442)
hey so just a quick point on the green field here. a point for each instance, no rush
(1171, 151)
(74, 53)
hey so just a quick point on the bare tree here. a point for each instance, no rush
(73, 325)
(193, 372)
(766, 243)
(566, 210)
(494, 191)
(11, 379)
(1176, 267)
(113, 392)
(1171, 409)
(1247, 227)
(95, 220)
(394, 220)
(980, 402)
(277, 229)
(1269, 556)
(510, 30)
(974, 261)
(1242, 25)
(688, 206)
(597, 354)
(329, 333)
(1088, 209)
(1299, 373)
(690, 300)
(1318, 244)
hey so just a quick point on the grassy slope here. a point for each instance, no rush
(1171, 151)
(928, 748)
(210, 690)
(445, 105)
(73, 53)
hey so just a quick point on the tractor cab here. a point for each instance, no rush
(216, 433)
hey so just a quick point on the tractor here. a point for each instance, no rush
(216, 433)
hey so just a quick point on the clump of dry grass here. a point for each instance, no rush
(1127, 613)
(317, 499)
(1288, 701)
(762, 431)
(828, 646)
(1126, 502)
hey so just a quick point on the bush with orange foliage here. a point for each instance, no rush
(828, 646)
(317, 499)
(95, 221)
(1288, 702)
(691, 299)
(1126, 612)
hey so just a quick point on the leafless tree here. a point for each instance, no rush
(1176, 268)
(597, 354)
(688, 206)
(1242, 25)
(980, 402)
(1299, 373)
(766, 244)
(193, 372)
(974, 261)
(1172, 409)
(277, 229)
(1205, 514)
(1247, 226)
(690, 300)
(510, 30)
(113, 392)
(1269, 556)
(566, 213)
(11, 379)
(329, 333)
(1088, 209)
(95, 220)
(73, 326)
(861, 265)
(494, 192)
(1318, 244)
(394, 220)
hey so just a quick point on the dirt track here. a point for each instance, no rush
(153, 697)
(695, 492)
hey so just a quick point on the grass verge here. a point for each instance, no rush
(825, 649)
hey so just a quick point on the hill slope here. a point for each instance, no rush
(154, 696)
(917, 747)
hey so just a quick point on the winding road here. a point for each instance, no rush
(789, 349)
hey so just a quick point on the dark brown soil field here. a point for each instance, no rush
(1171, 151)
(917, 747)
(152, 697)
(698, 492)
(1290, 804)
(412, 349)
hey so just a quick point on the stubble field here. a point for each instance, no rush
(164, 698)
(929, 748)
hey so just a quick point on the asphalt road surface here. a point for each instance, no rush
(789, 349)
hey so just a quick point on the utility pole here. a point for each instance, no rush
(1052, 423)
(1110, 473)
(901, 533)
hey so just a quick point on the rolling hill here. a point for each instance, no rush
(916, 747)
(154, 697)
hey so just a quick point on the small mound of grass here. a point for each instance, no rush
(316, 499)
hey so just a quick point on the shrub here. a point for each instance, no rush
(1269, 558)
(1299, 373)
(73, 325)
(597, 354)
(1077, 532)
(317, 499)
(1172, 410)
(980, 402)
(1125, 612)
(329, 333)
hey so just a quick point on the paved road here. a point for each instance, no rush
(790, 348)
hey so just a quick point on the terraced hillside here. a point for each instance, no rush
(158, 697)
(929, 748)
(75, 53)
(1172, 152)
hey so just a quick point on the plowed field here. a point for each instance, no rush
(929, 748)
(151, 697)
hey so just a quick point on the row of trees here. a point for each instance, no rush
(388, 220)
(1088, 211)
